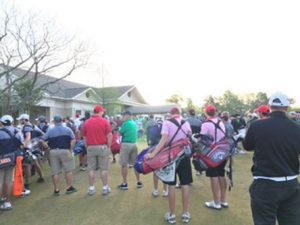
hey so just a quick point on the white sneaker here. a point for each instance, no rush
(185, 217)
(6, 206)
(170, 218)
(26, 192)
(91, 191)
(224, 204)
(213, 205)
(155, 193)
(83, 168)
(106, 190)
(242, 151)
(165, 193)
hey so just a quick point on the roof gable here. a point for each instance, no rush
(128, 95)
(61, 88)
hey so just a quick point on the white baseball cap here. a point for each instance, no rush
(279, 99)
(23, 116)
(6, 118)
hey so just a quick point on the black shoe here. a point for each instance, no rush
(71, 190)
(123, 186)
(56, 193)
(177, 185)
(139, 184)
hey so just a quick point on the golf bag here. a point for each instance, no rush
(79, 147)
(115, 143)
(210, 154)
(162, 158)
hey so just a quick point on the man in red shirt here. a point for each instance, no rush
(97, 136)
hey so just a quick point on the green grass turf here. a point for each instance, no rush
(128, 207)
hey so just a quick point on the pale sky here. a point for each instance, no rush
(190, 48)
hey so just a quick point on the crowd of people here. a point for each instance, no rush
(272, 132)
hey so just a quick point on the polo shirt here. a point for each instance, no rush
(276, 145)
(59, 137)
(170, 129)
(27, 128)
(195, 124)
(128, 131)
(95, 130)
(209, 128)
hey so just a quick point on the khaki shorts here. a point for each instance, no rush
(7, 175)
(128, 153)
(61, 159)
(97, 157)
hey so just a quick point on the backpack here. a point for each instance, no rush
(9, 149)
(34, 133)
(44, 129)
(213, 154)
(154, 134)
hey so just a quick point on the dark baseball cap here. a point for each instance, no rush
(126, 113)
(57, 118)
(41, 119)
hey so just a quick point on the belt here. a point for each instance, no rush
(59, 149)
(97, 145)
(277, 179)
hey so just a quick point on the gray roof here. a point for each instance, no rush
(118, 91)
(113, 93)
(68, 89)
(162, 109)
(62, 88)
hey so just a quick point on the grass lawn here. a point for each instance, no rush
(128, 207)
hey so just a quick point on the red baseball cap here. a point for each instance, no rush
(210, 108)
(99, 108)
(262, 109)
(175, 110)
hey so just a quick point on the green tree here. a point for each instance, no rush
(189, 103)
(176, 99)
(108, 97)
(27, 95)
(253, 100)
(38, 47)
(211, 100)
(231, 102)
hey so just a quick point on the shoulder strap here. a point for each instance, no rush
(174, 121)
(217, 125)
(27, 125)
(8, 132)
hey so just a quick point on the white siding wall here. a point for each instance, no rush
(66, 107)
(133, 98)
